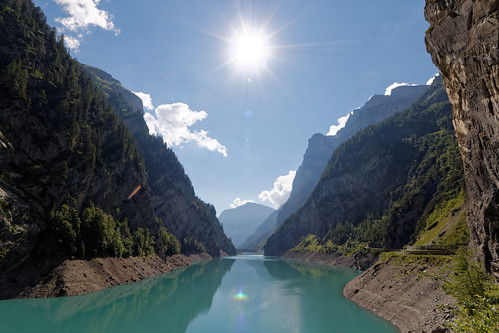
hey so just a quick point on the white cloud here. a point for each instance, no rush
(146, 100)
(341, 123)
(430, 81)
(173, 122)
(83, 14)
(72, 43)
(280, 193)
(239, 202)
(394, 85)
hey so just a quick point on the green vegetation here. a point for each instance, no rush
(313, 244)
(477, 296)
(164, 171)
(191, 245)
(446, 225)
(70, 152)
(167, 244)
(93, 233)
(386, 186)
(422, 260)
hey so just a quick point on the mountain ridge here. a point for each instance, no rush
(321, 147)
(242, 221)
(73, 183)
(409, 162)
(188, 218)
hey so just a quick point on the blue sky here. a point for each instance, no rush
(240, 126)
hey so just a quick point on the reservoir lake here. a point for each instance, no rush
(245, 293)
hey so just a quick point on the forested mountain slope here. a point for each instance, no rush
(68, 164)
(192, 221)
(380, 186)
(321, 147)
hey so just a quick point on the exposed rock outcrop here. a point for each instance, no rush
(192, 221)
(73, 179)
(321, 147)
(406, 294)
(380, 185)
(463, 42)
(59, 142)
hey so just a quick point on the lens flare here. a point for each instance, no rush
(240, 296)
(134, 192)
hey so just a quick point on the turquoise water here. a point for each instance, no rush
(246, 293)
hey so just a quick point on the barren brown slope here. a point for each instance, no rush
(407, 295)
(75, 277)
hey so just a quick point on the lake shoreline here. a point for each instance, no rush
(361, 262)
(406, 295)
(75, 277)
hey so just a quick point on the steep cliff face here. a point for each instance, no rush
(60, 144)
(379, 186)
(192, 221)
(321, 147)
(463, 42)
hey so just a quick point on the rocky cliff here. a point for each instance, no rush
(69, 165)
(321, 147)
(380, 186)
(192, 221)
(63, 152)
(463, 42)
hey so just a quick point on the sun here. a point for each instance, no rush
(250, 49)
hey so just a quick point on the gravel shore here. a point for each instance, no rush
(406, 294)
(75, 277)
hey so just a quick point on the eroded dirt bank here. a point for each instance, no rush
(406, 294)
(355, 261)
(403, 292)
(75, 277)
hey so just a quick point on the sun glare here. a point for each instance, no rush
(250, 49)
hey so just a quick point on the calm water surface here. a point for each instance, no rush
(247, 293)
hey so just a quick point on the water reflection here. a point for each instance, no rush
(171, 300)
(232, 294)
(285, 296)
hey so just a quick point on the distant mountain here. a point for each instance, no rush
(241, 222)
(192, 221)
(321, 147)
(380, 186)
(257, 240)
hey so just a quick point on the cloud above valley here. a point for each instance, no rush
(173, 122)
(146, 100)
(430, 81)
(238, 202)
(341, 123)
(279, 194)
(82, 16)
(394, 85)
